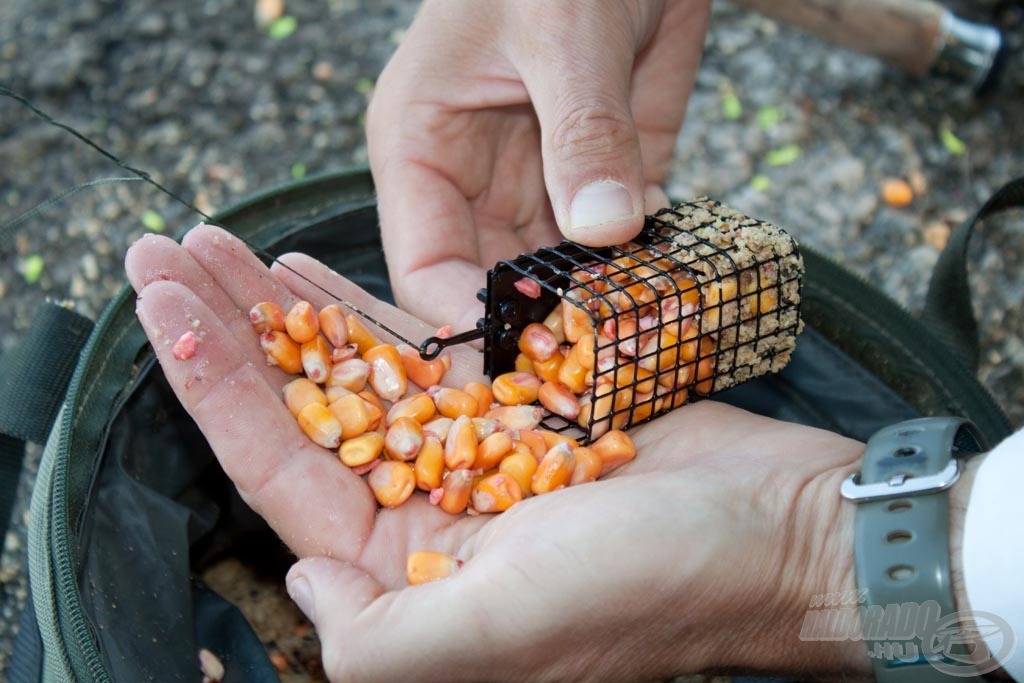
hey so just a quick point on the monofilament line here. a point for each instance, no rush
(146, 177)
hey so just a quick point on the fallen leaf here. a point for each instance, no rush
(761, 183)
(783, 156)
(298, 170)
(732, 108)
(951, 142)
(283, 27)
(768, 117)
(153, 221)
(32, 268)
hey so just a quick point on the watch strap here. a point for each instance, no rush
(902, 540)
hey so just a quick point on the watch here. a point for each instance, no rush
(901, 551)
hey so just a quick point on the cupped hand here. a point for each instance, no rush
(702, 552)
(498, 124)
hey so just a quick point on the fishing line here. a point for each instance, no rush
(141, 175)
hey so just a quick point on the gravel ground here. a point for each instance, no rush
(216, 109)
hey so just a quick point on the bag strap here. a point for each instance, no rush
(33, 379)
(948, 309)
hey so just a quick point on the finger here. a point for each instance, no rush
(416, 633)
(313, 502)
(663, 79)
(578, 76)
(156, 258)
(318, 284)
(235, 269)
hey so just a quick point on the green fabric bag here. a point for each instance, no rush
(130, 504)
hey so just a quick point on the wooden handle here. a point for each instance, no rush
(906, 33)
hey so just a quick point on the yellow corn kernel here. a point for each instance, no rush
(548, 370)
(453, 403)
(334, 393)
(392, 483)
(495, 493)
(576, 321)
(516, 417)
(419, 407)
(332, 324)
(554, 323)
(460, 446)
(520, 466)
(387, 374)
(554, 471)
(266, 316)
(423, 373)
(404, 439)
(671, 399)
(552, 439)
(374, 407)
(438, 428)
(316, 359)
(588, 466)
(660, 353)
(362, 449)
(456, 489)
(537, 342)
(301, 322)
(352, 413)
(350, 374)
(482, 393)
(615, 449)
(705, 375)
(516, 388)
(636, 295)
(559, 399)
(281, 351)
(491, 450)
(585, 351)
(429, 466)
(572, 373)
(301, 392)
(484, 427)
(523, 363)
(359, 335)
(424, 566)
(320, 425)
(533, 440)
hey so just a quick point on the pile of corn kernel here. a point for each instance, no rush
(477, 449)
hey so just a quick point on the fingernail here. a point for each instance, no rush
(302, 593)
(600, 202)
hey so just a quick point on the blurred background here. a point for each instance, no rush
(221, 99)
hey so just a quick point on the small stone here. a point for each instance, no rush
(936, 234)
(268, 11)
(897, 192)
(211, 666)
(90, 268)
(322, 70)
(918, 182)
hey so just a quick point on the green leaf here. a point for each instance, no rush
(298, 170)
(32, 268)
(282, 27)
(732, 108)
(783, 156)
(951, 142)
(364, 86)
(768, 117)
(761, 183)
(153, 221)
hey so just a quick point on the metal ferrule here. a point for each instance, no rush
(968, 50)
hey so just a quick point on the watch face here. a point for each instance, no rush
(957, 645)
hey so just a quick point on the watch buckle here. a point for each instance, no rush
(900, 485)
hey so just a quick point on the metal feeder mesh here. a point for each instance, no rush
(705, 298)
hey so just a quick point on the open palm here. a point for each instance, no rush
(563, 583)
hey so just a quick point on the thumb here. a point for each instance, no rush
(579, 82)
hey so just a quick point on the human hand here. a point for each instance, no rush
(700, 553)
(497, 124)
